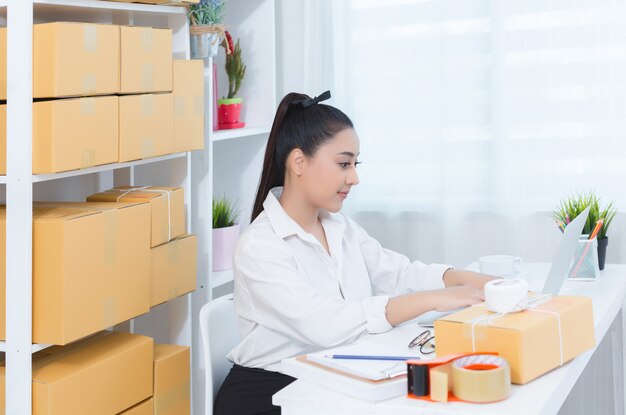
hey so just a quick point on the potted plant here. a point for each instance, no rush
(225, 233)
(229, 108)
(206, 29)
(572, 206)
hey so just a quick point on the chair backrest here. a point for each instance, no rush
(220, 334)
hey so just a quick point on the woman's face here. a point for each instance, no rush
(330, 173)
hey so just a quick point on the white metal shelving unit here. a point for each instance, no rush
(22, 187)
(230, 164)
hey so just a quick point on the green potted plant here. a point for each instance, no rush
(206, 29)
(229, 108)
(225, 233)
(572, 206)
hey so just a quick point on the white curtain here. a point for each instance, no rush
(476, 117)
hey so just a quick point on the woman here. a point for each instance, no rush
(307, 277)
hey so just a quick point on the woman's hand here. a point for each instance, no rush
(456, 277)
(456, 297)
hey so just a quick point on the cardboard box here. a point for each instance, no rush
(144, 408)
(146, 60)
(91, 268)
(188, 105)
(529, 339)
(173, 269)
(146, 126)
(101, 375)
(70, 59)
(167, 208)
(70, 134)
(171, 380)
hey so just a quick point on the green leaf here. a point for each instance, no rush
(224, 214)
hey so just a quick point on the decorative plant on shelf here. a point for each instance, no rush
(206, 28)
(230, 107)
(571, 207)
(225, 233)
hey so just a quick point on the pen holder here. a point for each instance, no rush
(585, 263)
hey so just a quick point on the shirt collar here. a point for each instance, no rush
(285, 226)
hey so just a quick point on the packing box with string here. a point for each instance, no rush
(70, 134)
(534, 341)
(70, 59)
(145, 59)
(167, 208)
(146, 127)
(173, 269)
(101, 375)
(171, 380)
(91, 268)
(188, 105)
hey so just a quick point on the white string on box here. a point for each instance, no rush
(150, 190)
(509, 296)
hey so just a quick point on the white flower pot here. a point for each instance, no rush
(224, 240)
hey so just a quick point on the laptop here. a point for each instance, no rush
(558, 269)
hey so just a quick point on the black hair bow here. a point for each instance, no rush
(310, 101)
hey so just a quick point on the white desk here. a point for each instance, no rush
(544, 395)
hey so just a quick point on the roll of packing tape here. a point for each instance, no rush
(506, 295)
(481, 378)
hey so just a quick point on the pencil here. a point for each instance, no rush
(368, 357)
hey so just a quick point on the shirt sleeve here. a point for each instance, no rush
(392, 273)
(273, 292)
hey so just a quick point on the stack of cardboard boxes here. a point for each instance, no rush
(106, 94)
(110, 373)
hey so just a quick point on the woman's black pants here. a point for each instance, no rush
(248, 391)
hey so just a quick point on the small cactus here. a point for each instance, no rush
(235, 69)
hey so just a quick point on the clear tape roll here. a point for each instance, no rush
(481, 378)
(506, 295)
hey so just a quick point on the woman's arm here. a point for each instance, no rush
(463, 288)
(407, 307)
(456, 277)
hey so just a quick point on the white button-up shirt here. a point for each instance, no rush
(293, 298)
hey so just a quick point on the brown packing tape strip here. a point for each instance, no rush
(147, 76)
(198, 105)
(147, 105)
(87, 105)
(179, 107)
(90, 46)
(89, 83)
(147, 39)
(88, 158)
(164, 402)
(90, 38)
(147, 148)
(109, 312)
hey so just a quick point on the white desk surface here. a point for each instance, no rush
(544, 395)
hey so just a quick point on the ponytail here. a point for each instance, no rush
(300, 122)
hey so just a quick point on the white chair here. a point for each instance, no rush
(220, 334)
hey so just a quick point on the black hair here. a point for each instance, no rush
(297, 124)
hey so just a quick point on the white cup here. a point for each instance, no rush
(500, 265)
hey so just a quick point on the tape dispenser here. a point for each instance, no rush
(470, 377)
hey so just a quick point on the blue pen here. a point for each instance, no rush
(365, 357)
